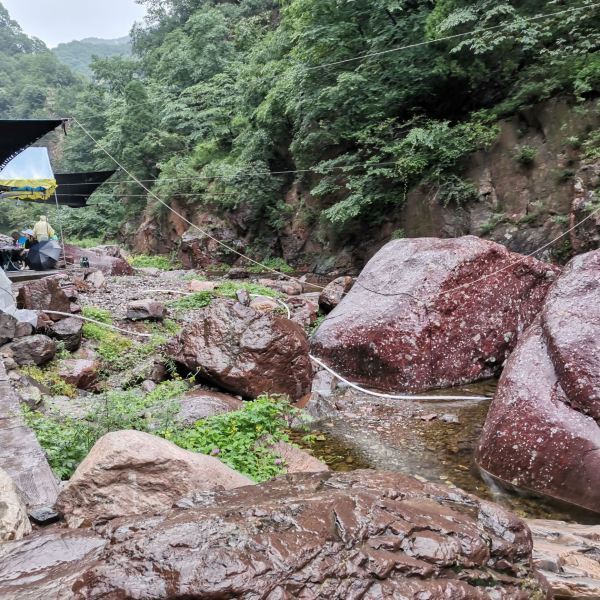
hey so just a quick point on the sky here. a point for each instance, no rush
(56, 21)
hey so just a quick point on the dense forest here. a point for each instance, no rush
(80, 54)
(227, 104)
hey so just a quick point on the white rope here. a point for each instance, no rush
(390, 396)
(55, 312)
(449, 37)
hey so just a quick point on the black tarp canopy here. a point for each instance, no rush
(74, 189)
(17, 135)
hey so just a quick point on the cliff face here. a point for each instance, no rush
(533, 185)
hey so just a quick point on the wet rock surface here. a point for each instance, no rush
(14, 522)
(47, 564)
(409, 322)
(568, 557)
(130, 472)
(342, 536)
(245, 352)
(540, 433)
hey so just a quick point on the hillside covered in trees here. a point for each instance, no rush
(80, 54)
(318, 119)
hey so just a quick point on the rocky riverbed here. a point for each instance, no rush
(215, 344)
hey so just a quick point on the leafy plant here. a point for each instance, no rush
(243, 439)
(49, 377)
(525, 156)
(277, 264)
(164, 263)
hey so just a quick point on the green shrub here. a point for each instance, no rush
(87, 242)
(398, 234)
(488, 226)
(242, 439)
(49, 377)
(164, 263)
(193, 301)
(68, 441)
(277, 264)
(98, 314)
(526, 156)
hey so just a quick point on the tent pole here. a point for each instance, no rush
(60, 228)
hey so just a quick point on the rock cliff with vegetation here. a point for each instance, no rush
(257, 121)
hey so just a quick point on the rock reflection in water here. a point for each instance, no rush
(430, 440)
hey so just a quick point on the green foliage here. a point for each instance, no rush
(79, 55)
(227, 289)
(398, 234)
(277, 264)
(525, 156)
(219, 95)
(194, 301)
(165, 263)
(243, 439)
(97, 314)
(49, 377)
(67, 441)
(488, 226)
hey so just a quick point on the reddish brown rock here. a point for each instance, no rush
(133, 473)
(81, 373)
(304, 312)
(571, 325)
(540, 433)
(46, 565)
(199, 404)
(411, 322)
(109, 265)
(289, 287)
(202, 286)
(31, 350)
(350, 536)
(141, 310)
(45, 294)
(245, 352)
(334, 293)
(197, 251)
(296, 460)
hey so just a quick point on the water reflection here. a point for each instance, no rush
(432, 440)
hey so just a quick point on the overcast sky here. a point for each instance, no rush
(56, 21)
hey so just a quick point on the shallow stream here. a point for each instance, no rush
(431, 440)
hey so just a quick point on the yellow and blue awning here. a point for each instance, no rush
(28, 176)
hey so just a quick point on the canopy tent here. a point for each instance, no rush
(17, 135)
(74, 189)
(28, 176)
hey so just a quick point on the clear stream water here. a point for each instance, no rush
(364, 432)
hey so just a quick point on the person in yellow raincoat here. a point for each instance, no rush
(42, 230)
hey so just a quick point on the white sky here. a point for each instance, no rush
(56, 21)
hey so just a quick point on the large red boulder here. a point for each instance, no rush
(245, 351)
(429, 313)
(542, 431)
(44, 294)
(109, 265)
(343, 536)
